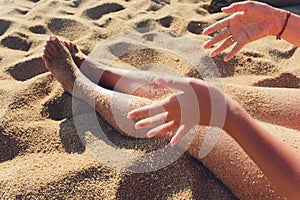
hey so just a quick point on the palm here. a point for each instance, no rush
(248, 27)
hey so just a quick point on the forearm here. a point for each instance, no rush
(279, 162)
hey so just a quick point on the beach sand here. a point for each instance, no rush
(42, 157)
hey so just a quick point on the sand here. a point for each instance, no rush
(41, 156)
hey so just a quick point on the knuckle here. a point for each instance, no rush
(250, 3)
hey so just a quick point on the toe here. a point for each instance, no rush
(58, 45)
(51, 46)
(53, 38)
(45, 58)
(72, 46)
(75, 47)
(67, 44)
(56, 41)
(48, 54)
(51, 49)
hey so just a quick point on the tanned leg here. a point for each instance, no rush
(273, 105)
(138, 83)
(227, 160)
(59, 62)
(278, 106)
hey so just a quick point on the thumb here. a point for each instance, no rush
(237, 7)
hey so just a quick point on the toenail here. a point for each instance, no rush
(52, 38)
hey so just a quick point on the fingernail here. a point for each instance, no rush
(204, 45)
(150, 135)
(224, 8)
(138, 126)
(130, 115)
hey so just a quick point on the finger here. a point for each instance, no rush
(221, 36)
(237, 7)
(179, 134)
(146, 111)
(222, 47)
(173, 82)
(234, 51)
(216, 26)
(152, 121)
(162, 129)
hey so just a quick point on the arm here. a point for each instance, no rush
(251, 21)
(292, 30)
(279, 162)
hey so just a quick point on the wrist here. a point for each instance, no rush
(235, 115)
(278, 18)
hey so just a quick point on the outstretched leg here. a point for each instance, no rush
(278, 106)
(273, 105)
(59, 62)
(227, 160)
(138, 83)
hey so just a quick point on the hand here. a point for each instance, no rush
(250, 22)
(196, 104)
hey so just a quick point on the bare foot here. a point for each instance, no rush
(108, 77)
(59, 62)
(96, 72)
(77, 55)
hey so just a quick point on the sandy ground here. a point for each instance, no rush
(41, 156)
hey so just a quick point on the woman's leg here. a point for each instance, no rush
(138, 83)
(273, 105)
(227, 160)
